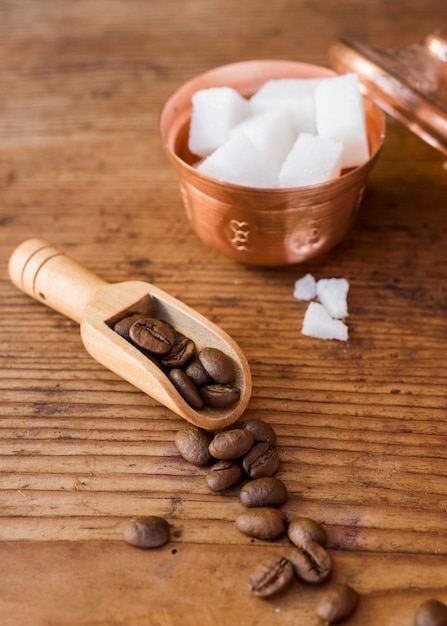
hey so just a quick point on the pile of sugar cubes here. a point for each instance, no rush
(292, 132)
(327, 307)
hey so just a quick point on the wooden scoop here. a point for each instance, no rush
(53, 278)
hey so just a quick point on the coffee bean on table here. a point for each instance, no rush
(312, 562)
(302, 529)
(186, 388)
(261, 460)
(231, 443)
(262, 523)
(219, 366)
(149, 531)
(223, 475)
(260, 430)
(431, 613)
(271, 576)
(337, 603)
(267, 491)
(152, 335)
(192, 443)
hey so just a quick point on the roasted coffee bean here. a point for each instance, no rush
(312, 562)
(179, 354)
(211, 372)
(220, 396)
(266, 491)
(262, 523)
(123, 326)
(218, 365)
(261, 460)
(148, 531)
(260, 430)
(303, 529)
(271, 577)
(231, 443)
(223, 475)
(197, 372)
(186, 388)
(151, 335)
(431, 613)
(337, 604)
(192, 443)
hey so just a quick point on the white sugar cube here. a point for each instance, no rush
(332, 293)
(272, 133)
(305, 288)
(238, 161)
(319, 324)
(312, 159)
(340, 116)
(295, 95)
(214, 112)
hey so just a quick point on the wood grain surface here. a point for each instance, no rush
(361, 424)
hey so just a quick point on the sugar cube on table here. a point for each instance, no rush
(332, 294)
(319, 324)
(214, 112)
(340, 116)
(305, 288)
(312, 159)
(271, 132)
(294, 95)
(238, 161)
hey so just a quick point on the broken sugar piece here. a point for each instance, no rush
(312, 159)
(215, 111)
(271, 132)
(319, 324)
(333, 293)
(305, 288)
(238, 161)
(340, 116)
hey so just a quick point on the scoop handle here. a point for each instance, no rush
(53, 278)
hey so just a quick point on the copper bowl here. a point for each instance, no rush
(267, 227)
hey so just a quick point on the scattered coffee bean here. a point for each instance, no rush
(223, 475)
(186, 388)
(261, 460)
(337, 603)
(262, 523)
(303, 529)
(218, 365)
(151, 335)
(271, 577)
(230, 444)
(192, 443)
(260, 430)
(267, 491)
(431, 613)
(312, 562)
(220, 396)
(147, 532)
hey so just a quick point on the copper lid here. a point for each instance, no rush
(410, 84)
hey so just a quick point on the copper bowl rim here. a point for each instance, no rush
(274, 64)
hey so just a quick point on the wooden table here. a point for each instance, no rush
(361, 425)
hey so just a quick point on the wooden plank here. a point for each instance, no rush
(361, 429)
